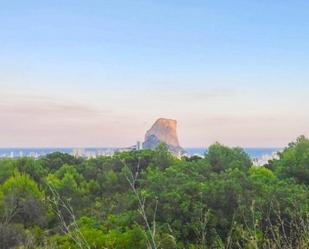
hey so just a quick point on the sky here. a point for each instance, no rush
(100, 72)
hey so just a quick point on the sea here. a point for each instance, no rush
(252, 152)
(37, 152)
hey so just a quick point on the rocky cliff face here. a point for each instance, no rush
(163, 131)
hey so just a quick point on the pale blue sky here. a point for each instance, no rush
(98, 73)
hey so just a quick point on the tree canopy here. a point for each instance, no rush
(150, 199)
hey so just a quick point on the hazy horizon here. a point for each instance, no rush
(99, 73)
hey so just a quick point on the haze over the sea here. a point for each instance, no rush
(99, 73)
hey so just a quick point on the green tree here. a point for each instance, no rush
(22, 201)
(54, 161)
(31, 167)
(7, 168)
(221, 158)
(294, 161)
(162, 158)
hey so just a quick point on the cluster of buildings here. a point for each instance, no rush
(77, 152)
(94, 153)
(21, 153)
(263, 160)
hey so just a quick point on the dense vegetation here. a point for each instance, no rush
(150, 199)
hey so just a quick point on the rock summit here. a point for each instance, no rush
(163, 131)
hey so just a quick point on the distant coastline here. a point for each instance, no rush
(254, 153)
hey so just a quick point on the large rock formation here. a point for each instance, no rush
(163, 131)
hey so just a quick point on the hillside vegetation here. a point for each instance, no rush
(150, 199)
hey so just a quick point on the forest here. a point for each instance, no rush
(149, 199)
